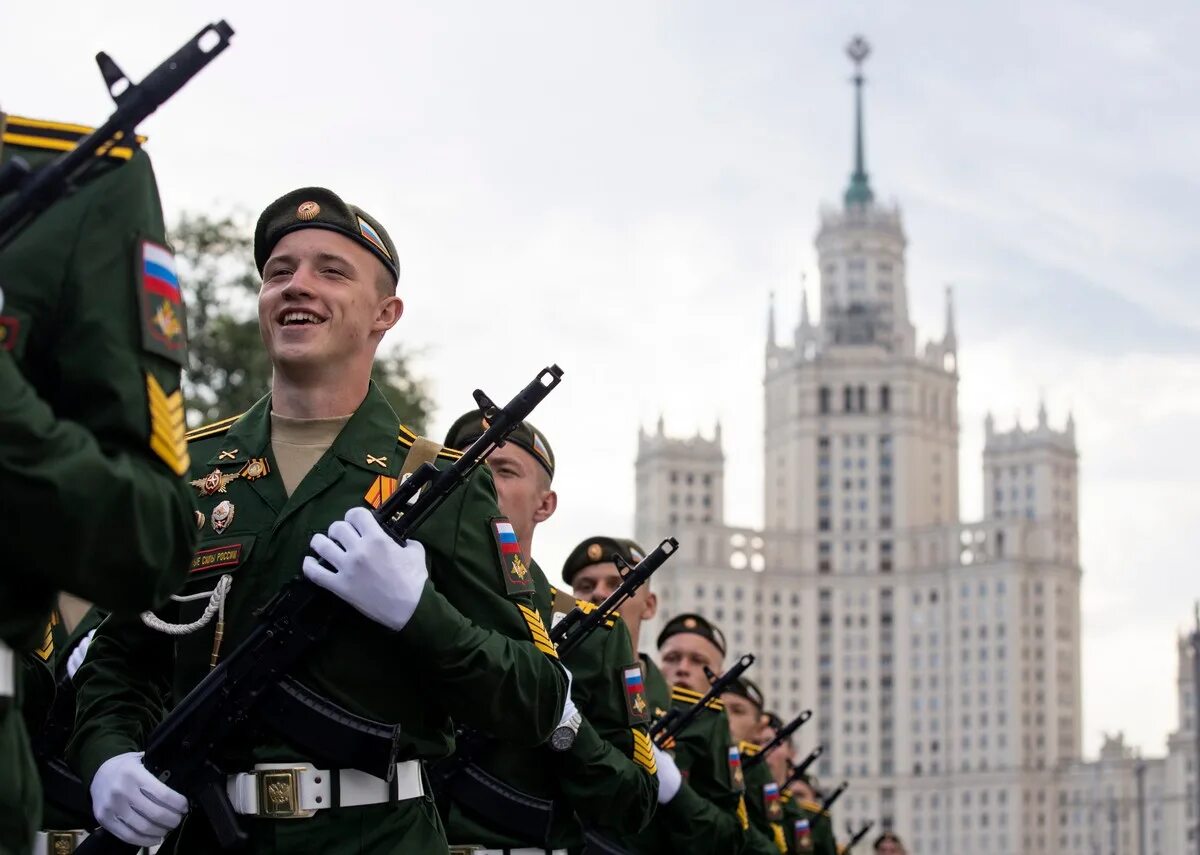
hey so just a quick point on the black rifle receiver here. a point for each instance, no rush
(833, 797)
(784, 734)
(37, 191)
(676, 721)
(569, 632)
(298, 616)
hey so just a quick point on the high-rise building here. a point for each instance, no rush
(940, 656)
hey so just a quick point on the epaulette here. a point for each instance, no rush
(587, 607)
(214, 429)
(748, 749)
(687, 696)
(811, 807)
(785, 796)
(407, 437)
(58, 136)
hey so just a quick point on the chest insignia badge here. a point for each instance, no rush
(382, 461)
(199, 520)
(213, 482)
(227, 455)
(222, 516)
(255, 468)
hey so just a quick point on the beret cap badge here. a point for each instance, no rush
(594, 552)
(308, 211)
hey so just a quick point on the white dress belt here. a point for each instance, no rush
(8, 672)
(298, 790)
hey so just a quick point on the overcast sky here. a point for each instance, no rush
(618, 186)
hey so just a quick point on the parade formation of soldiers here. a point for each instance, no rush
(446, 697)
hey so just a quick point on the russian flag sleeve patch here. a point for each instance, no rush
(164, 326)
(517, 578)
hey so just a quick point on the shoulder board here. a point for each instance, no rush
(406, 438)
(58, 136)
(785, 796)
(214, 429)
(811, 807)
(587, 607)
(748, 749)
(687, 696)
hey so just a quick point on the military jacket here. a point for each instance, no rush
(809, 829)
(658, 693)
(708, 814)
(467, 651)
(762, 804)
(606, 781)
(91, 344)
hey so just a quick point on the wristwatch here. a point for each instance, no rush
(564, 735)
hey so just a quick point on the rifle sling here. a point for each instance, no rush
(508, 809)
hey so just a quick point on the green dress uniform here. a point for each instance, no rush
(91, 343)
(762, 805)
(708, 814)
(658, 693)
(605, 783)
(810, 830)
(466, 652)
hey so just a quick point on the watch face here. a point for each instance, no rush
(562, 738)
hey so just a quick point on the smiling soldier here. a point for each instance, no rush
(442, 626)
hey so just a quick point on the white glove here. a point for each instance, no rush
(371, 572)
(80, 651)
(669, 778)
(133, 804)
(569, 708)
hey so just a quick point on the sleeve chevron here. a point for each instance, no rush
(166, 426)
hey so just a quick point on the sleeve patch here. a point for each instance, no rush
(642, 753)
(736, 779)
(167, 438)
(634, 684)
(517, 578)
(774, 808)
(537, 629)
(164, 328)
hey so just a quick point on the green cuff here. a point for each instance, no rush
(433, 620)
(89, 757)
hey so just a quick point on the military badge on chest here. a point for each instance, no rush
(214, 482)
(517, 578)
(222, 516)
(736, 779)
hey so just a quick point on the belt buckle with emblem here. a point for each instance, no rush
(279, 794)
(62, 842)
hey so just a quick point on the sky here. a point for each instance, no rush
(618, 188)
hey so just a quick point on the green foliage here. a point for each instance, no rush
(227, 368)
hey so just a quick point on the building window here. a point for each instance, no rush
(848, 399)
(885, 399)
(862, 399)
(823, 400)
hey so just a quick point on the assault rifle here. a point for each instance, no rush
(298, 617)
(675, 721)
(784, 734)
(856, 836)
(799, 771)
(570, 632)
(37, 191)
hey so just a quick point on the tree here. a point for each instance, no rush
(227, 368)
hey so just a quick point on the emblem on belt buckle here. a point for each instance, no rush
(279, 794)
(60, 842)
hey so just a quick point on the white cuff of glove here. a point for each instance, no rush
(569, 708)
(133, 804)
(369, 570)
(669, 778)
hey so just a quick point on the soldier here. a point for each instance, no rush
(91, 344)
(812, 828)
(594, 580)
(744, 709)
(606, 782)
(889, 843)
(700, 788)
(445, 627)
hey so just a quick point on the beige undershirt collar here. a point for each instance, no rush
(299, 443)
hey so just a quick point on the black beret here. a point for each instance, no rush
(748, 690)
(469, 427)
(598, 550)
(695, 624)
(318, 208)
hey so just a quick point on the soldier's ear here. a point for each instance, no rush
(651, 607)
(387, 313)
(546, 507)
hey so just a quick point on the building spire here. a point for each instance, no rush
(805, 323)
(950, 340)
(859, 191)
(771, 322)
